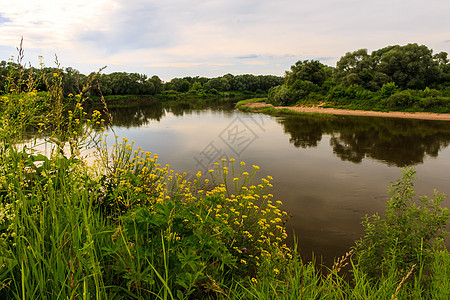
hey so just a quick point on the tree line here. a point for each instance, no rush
(122, 83)
(393, 77)
(409, 76)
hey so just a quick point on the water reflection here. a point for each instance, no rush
(397, 142)
(329, 171)
(137, 115)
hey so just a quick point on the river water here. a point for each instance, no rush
(329, 171)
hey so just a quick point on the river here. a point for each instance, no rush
(329, 171)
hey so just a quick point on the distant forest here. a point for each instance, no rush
(122, 83)
(392, 77)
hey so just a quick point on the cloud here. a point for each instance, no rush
(141, 25)
(3, 19)
(256, 63)
(187, 64)
(215, 36)
(247, 56)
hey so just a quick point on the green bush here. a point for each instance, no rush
(409, 234)
(282, 96)
(401, 99)
(388, 89)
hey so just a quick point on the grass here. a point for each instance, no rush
(117, 224)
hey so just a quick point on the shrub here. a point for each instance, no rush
(388, 89)
(401, 99)
(409, 234)
(281, 96)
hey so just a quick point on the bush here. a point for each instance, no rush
(401, 99)
(388, 89)
(282, 96)
(409, 234)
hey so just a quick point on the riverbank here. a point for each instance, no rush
(269, 108)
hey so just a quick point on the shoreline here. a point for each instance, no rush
(348, 112)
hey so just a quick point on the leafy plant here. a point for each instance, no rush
(409, 233)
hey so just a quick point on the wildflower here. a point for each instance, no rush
(70, 95)
(276, 271)
(254, 280)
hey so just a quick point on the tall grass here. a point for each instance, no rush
(124, 227)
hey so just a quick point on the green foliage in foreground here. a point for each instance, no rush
(115, 224)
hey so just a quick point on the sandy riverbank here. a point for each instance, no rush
(349, 112)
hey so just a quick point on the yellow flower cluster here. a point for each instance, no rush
(246, 216)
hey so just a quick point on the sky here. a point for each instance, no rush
(210, 38)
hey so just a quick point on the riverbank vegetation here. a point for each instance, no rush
(407, 78)
(120, 87)
(92, 220)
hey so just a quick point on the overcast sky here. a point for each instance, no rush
(177, 38)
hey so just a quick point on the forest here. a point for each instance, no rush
(407, 77)
(396, 77)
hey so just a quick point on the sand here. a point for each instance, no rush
(349, 112)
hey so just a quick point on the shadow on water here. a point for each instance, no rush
(332, 172)
(396, 142)
(138, 114)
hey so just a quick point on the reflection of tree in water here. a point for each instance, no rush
(396, 142)
(305, 132)
(139, 114)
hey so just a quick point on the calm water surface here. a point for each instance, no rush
(329, 171)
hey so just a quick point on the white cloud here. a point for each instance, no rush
(216, 37)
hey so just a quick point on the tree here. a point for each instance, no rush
(157, 84)
(310, 70)
(303, 81)
(184, 86)
(354, 68)
(411, 66)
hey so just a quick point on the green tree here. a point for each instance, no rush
(310, 70)
(157, 84)
(184, 86)
(354, 68)
(302, 82)
(411, 66)
(73, 81)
